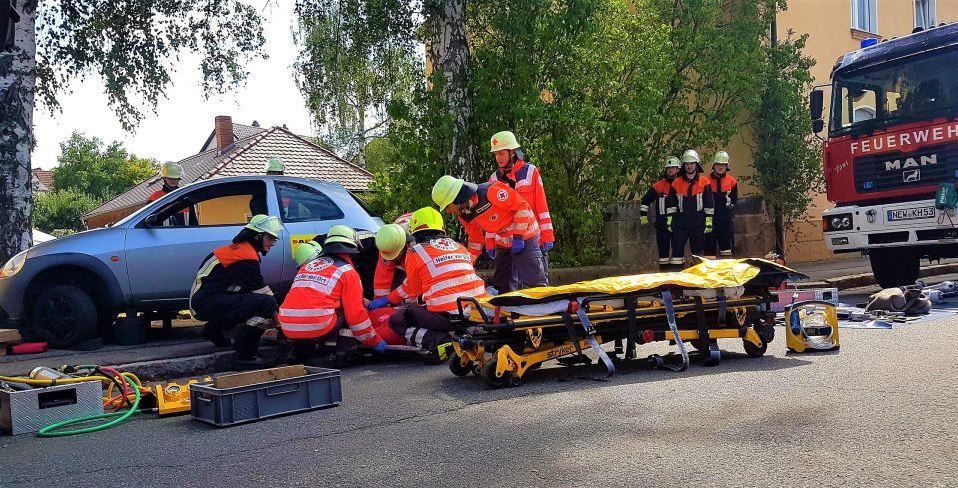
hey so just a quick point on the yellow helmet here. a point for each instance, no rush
(265, 224)
(426, 218)
(391, 240)
(342, 234)
(445, 191)
(306, 251)
(721, 157)
(275, 165)
(503, 140)
(171, 170)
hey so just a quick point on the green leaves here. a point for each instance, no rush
(99, 171)
(61, 210)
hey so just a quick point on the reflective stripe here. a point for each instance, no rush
(699, 202)
(678, 260)
(304, 327)
(362, 325)
(306, 312)
(546, 215)
(663, 260)
(452, 282)
(380, 291)
(524, 213)
(447, 299)
(644, 208)
(264, 291)
(546, 227)
(420, 336)
(475, 245)
(401, 291)
(434, 270)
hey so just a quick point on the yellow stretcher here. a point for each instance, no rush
(501, 338)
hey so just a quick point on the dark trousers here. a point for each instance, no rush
(517, 271)
(227, 310)
(420, 327)
(304, 350)
(691, 230)
(663, 240)
(722, 233)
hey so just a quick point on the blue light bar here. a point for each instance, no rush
(869, 42)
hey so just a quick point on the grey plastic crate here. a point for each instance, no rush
(318, 388)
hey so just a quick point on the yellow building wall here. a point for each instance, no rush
(828, 24)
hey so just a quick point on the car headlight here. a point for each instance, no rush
(13, 265)
(838, 222)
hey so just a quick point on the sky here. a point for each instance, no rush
(184, 119)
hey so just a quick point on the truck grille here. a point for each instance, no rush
(892, 171)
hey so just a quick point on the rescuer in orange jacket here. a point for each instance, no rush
(497, 214)
(326, 296)
(663, 195)
(170, 174)
(438, 269)
(526, 180)
(725, 190)
(391, 241)
(693, 220)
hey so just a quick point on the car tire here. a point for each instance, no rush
(64, 315)
(894, 267)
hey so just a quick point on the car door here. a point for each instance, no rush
(164, 254)
(306, 212)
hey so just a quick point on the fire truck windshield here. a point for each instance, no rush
(919, 87)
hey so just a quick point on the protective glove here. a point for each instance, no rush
(547, 246)
(380, 347)
(491, 291)
(378, 303)
(668, 223)
(644, 220)
(491, 254)
(708, 224)
(518, 245)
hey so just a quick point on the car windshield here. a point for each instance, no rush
(907, 90)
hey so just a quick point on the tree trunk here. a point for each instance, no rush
(448, 51)
(18, 79)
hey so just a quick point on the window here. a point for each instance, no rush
(925, 13)
(301, 203)
(865, 15)
(223, 204)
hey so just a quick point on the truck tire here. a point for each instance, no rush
(64, 315)
(894, 266)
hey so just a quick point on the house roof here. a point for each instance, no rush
(247, 157)
(45, 177)
(240, 132)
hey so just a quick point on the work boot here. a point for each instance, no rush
(438, 355)
(214, 333)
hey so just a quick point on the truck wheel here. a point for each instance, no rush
(64, 315)
(894, 266)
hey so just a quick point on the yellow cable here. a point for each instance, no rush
(45, 382)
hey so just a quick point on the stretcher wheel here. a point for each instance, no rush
(507, 379)
(456, 366)
(754, 351)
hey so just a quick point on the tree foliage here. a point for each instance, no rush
(86, 165)
(62, 210)
(787, 158)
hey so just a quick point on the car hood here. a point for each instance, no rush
(91, 242)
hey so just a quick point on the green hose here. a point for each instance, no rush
(51, 430)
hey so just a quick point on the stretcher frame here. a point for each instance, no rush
(503, 347)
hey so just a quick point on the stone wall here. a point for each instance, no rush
(632, 245)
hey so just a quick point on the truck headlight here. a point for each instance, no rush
(837, 222)
(13, 265)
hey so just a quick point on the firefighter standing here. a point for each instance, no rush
(499, 216)
(170, 173)
(663, 194)
(693, 219)
(229, 289)
(725, 191)
(275, 166)
(525, 179)
(440, 270)
(326, 296)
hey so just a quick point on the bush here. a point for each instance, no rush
(62, 210)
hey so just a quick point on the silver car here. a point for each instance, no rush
(71, 289)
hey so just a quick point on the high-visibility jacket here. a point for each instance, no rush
(498, 214)
(725, 190)
(324, 289)
(388, 276)
(694, 195)
(233, 268)
(440, 270)
(663, 194)
(526, 179)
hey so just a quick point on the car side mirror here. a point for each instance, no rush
(818, 125)
(816, 103)
(151, 221)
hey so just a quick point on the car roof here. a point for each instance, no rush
(926, 40)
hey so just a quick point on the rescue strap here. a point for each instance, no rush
(590, 337)
(670, 316)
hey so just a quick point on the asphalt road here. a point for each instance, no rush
(882, 412)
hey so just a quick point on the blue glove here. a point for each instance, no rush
(380, 347)
(548, 247)
(491, 254)
(378, 303)
(518, 245)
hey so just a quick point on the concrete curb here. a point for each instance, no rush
(866, 279)
(198, 365)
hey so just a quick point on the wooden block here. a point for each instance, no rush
(260, 376)
(9, 335)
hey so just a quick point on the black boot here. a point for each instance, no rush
(246, 344)
(214, 333)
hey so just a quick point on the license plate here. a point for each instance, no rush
(912, 214)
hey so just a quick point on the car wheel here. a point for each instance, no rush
(64, 315)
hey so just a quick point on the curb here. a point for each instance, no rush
(198, 365)
(866, 279)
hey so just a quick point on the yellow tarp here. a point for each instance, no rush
(709, 274)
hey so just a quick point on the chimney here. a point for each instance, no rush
(224, 132)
